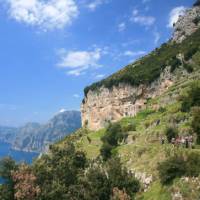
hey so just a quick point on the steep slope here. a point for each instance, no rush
(142, 150)
(126, 92)
(145, 98)
(36, 137)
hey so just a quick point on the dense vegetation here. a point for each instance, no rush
(66, 174)
(178, 166)
(147, 69)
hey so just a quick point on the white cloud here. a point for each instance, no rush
(142, 19)
(99, 76)
(76, 96)
(77, 62)
(62, 110)
(174, 15)
(121, 27)
(134, 53)
(96, 3)
(47, 15)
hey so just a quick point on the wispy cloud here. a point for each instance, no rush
(175, 14)
(77, 96)
(134, 53)
(47, 15)
(122, 27)
(142, 19)
(77, 62)
(96, 3)
(99, 76)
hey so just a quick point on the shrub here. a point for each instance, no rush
(188, 67)
(192, 165)
(196, 123)
(113, 136)
(177, 166)
(106, 151)
(121, 178)
(170, 133)
(162, 110)
(192, 98)
(129, 127)
(174, 63)
(171, 168)
(190, 52)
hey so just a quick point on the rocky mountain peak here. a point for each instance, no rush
(187, 24)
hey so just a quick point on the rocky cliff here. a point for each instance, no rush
(187, 24)
(126, 92)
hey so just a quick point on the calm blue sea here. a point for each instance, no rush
(18, 156)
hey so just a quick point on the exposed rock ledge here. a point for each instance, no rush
(113, 104)
(187, 24)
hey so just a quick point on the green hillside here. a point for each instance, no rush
(148, 68)
(142, 157)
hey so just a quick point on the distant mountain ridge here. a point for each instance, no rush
(35, 137)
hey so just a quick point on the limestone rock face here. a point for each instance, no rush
(187, 24)
(100, 107)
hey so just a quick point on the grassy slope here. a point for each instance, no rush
(144, 152)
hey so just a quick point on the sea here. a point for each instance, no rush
(18, 156)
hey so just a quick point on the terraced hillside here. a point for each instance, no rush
(142, 150)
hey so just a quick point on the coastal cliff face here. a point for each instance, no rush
(110, 105)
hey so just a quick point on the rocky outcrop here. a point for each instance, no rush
(104, 105)
(187, 24)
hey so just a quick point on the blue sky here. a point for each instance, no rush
(51, 49)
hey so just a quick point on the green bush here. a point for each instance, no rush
(192, 165)
(188, 67)
(170, 133)
(196, 20)
(190, 52)
(192, 98)
(174, 63)
(129, 127)
(106, 151)
(196, 123)
(178, 166)
(170, 169)
(113, 136)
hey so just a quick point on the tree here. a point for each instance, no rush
(25, 183)
(121, 178)
(7, 166)
(171, 132)
(196, 123)
(171, 168)
(192, 98)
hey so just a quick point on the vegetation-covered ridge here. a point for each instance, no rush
(149, 68)
(172, 168)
